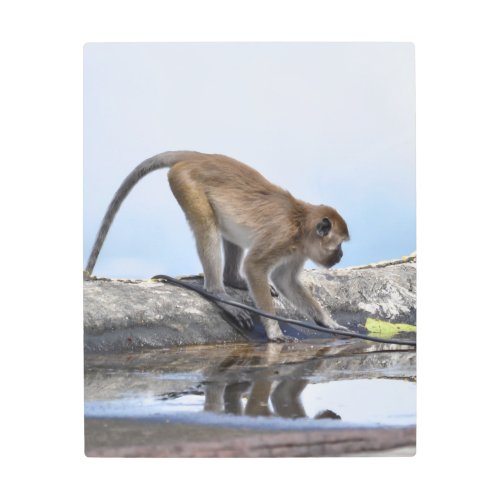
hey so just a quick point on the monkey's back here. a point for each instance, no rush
(239, 193)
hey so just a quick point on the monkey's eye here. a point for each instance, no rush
(323, 227)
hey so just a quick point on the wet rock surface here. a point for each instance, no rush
(122, 315)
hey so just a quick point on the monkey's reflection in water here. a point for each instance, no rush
(284, 395)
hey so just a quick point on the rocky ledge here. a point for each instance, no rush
(125, 315)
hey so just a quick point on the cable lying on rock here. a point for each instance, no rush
(168, 279)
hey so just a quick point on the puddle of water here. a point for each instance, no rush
(320, 384)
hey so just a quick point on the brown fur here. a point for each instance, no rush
(281, 229)
(226, 201)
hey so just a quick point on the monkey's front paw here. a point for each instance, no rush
(338, 327)
(274, 292)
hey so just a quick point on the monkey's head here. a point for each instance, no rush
(328, 232)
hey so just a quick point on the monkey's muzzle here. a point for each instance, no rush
(335, 258)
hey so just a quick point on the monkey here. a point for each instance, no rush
(229, 204)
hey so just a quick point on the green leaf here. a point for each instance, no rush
(384, 329)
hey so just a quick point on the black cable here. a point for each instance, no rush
(214, 298)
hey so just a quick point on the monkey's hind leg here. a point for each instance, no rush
(232, 263)
(201, 218)
(208, 244)
(233, 255)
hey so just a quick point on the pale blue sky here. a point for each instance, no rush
(333, 123)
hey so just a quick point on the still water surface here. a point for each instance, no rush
(308, 384)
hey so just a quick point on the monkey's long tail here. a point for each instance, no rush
(162, 160)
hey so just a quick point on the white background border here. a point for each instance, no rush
(457, 154)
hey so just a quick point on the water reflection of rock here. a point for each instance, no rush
(265, 379)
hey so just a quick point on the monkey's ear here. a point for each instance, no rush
(323, 227)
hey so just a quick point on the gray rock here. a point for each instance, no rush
(124, 315)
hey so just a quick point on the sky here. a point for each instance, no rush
(333, 123)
